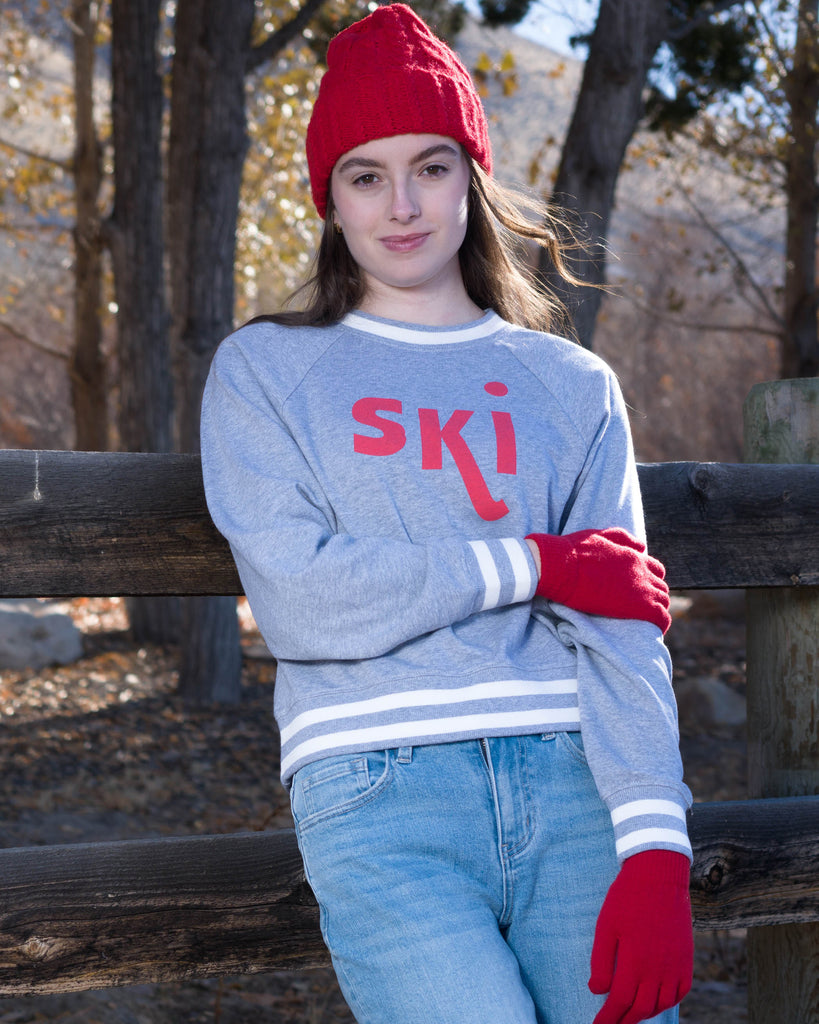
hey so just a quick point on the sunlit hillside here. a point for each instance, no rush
(663, 328)
(677, 326)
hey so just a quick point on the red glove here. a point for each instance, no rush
(603, 572)
(643, 953)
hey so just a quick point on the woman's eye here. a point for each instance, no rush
(435, 170)
(365, 179)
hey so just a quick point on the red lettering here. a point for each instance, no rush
(392, 438)
(434, 437)
(505, 437)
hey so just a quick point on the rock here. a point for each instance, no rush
(711, 604)
(705, 702)
(680, 605)
(35, 633)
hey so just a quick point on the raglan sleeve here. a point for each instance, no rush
(316, 592)
(628, 712)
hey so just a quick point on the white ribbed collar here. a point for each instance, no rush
(416, 334)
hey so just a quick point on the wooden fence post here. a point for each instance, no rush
(782, 425)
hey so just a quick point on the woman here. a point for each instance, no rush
(432, 505)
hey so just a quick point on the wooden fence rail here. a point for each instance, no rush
(86, 524)
(86, 916)
(92, 915)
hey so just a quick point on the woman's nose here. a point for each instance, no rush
(404, 205)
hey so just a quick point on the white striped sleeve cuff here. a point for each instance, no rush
(650, 825)
(508, 571)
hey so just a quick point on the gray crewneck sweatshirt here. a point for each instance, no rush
(375, 481)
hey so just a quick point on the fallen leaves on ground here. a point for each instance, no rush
(104, 749)
(107, 740)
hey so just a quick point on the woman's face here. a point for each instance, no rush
(402, 205)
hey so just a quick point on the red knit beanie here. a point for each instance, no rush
(389, 75)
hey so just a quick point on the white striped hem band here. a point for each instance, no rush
(387, 734)
(499, 689)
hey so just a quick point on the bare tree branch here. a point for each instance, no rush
(32, 230)
(773, 38)
(738, 261)
(276, 42)
(32, 342)
(692, 25)
(696, 325)
(64, 165)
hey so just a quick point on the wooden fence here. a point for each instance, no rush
(92, 915)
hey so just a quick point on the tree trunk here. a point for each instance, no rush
(145, 383)
(145, 399)
(88, 391)
(208, 143)
(607, 111)
(800, 356)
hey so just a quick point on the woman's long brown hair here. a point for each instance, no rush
(491, 257)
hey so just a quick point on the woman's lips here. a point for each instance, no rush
(404, 243)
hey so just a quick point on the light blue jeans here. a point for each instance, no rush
(460, 883)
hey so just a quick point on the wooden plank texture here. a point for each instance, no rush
(77, 917)
(722, 525)
(96, 915)
(756, 862)
(90, 916)
(108, 524)
(79, 523)
(781, 423)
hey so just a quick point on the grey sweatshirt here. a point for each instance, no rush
(375, 481)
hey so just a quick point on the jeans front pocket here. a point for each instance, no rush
(573, 743)
(337, 785)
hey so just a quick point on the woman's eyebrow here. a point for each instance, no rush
(438, 148)
(425, 154)
(358, 161)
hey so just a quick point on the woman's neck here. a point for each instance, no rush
(428, 306)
